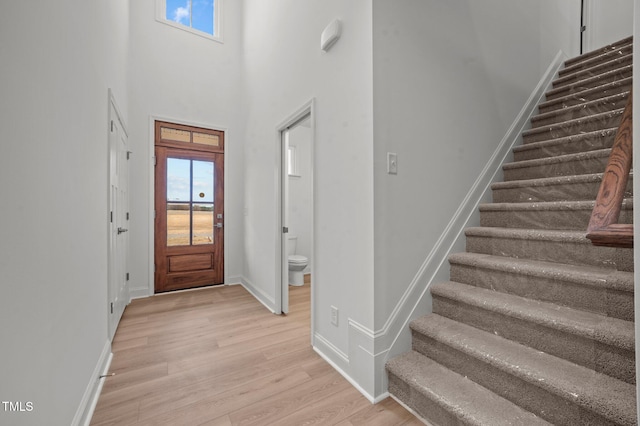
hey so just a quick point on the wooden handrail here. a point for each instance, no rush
(604, 229)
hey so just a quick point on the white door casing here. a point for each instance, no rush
(307, 111)
(118, 217)
(285, 222)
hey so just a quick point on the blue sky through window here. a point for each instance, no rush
(197, 14)
(179, 180)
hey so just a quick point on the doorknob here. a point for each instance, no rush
(121, 230)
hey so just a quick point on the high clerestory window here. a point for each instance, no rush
(201, 17)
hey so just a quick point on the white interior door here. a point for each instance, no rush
(118, 221)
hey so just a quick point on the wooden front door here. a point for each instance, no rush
(189, 207)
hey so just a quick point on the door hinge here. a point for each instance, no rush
(111, 307)
(154, 214)
(111, 217)
(127, 215)
(129, 154)
(127, 276)
(285, 230)
(155, 161)
(112, 125)
(583, 28)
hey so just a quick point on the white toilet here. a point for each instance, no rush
(297, 263)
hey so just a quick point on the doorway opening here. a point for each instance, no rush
(296, 205)
(189, 207)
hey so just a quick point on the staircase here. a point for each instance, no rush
(536, 325)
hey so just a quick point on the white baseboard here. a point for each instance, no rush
(261, 296)
(138, 293)
(233, 280)
(331, 360)
(92, 393)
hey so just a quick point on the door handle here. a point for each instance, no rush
(121, 230)
(219, 225)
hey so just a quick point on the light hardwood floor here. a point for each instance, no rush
(216, 356)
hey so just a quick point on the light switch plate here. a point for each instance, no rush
(392, 163)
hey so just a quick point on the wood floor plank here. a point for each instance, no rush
(330, 410)
(385, 413)
(217, 357)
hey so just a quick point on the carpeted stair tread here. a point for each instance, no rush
(608, 49)
(560, 165)
(583, 275)
(590, 83)
(446, 397)
(592, 340)
(597, 69)
(563, 246)
(576, 126)
(600, 290)
(589, 141)
(558, 215)
(586, 95)
(607, 56)
(557, 188)
(586, 109)
(528, 377)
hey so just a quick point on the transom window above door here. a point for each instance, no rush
(201, 17)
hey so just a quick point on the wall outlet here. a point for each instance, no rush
(334, 316)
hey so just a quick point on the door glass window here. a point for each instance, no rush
(190, 202)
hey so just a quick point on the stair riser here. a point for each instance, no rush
(425, 407)
(573, 145)
(574, 99)
(598, 107)
(582, 253)
(567, 168)
(571, 67)
(576, 127)
(606, 359)
(544, 219)
(539, 401)
(569, 191)
(590, 83)
(613, 303)
(593, 71)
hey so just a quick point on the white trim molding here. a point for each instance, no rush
(94, 388)
(259, 294)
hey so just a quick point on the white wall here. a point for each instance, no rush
(301, 192)
(177, 75)
(559, 23)
(449, 79)
(284, 69)
(607, 21)
(58, 61)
